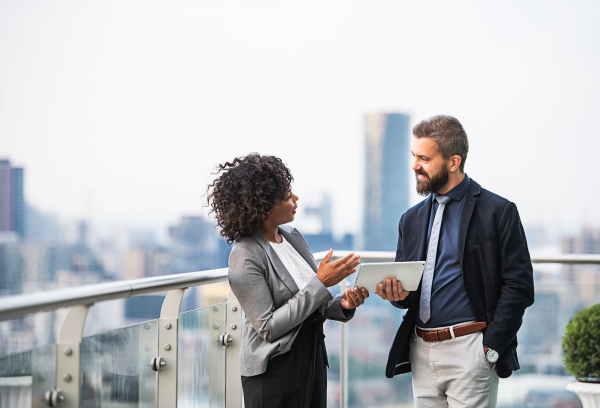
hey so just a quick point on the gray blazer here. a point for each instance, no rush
(270, 298)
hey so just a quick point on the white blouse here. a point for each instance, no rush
(294, 263)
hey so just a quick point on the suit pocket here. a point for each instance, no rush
(481, 240)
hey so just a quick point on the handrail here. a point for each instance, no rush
(389, 256)
(19, 305)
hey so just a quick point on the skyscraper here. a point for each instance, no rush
(387, 163)
(12, 204)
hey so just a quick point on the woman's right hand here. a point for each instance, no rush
(332, 273)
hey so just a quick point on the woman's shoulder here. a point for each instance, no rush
(245, 248)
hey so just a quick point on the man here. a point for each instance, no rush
(459, 333)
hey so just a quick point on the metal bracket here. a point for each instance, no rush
(54, 398)
(225, 339)
(158, 364)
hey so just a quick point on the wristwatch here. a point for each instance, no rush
(491, 355)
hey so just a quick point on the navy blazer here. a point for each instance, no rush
(497, 273)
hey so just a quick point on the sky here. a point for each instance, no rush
(120, 110)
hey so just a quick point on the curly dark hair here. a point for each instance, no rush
(245, 193)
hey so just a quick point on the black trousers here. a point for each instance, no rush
(296, 379)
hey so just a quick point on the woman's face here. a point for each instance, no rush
(284, 211)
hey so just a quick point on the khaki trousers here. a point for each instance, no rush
(452, 373)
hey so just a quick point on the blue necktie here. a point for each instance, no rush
(425, 305)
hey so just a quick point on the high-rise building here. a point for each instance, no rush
(387, 163)
(12, 204)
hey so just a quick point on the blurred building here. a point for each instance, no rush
(12, 204)
(386, 194)
(145, 261)
(195, 245)
(318, 221)
(585, 277)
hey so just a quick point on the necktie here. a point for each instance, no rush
(425, 309)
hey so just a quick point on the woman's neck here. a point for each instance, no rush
(271, 232)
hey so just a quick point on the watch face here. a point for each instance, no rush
(491, 356)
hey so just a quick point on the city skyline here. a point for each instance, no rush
(132, 110)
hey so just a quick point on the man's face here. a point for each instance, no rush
(431, 170)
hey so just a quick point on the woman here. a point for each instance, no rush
(274, 276)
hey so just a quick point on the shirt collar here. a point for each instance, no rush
(459, 191)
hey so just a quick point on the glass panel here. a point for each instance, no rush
(16, 365)
(43, 361)
(115, 368)
(561, 291)
(370, 335)
(15, 392)
(201, 374)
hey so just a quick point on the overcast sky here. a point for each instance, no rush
(119, 110)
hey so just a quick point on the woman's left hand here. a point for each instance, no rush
(354, 297)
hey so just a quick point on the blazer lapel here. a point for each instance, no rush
(280, 269)
(423, 223)
(465, 219)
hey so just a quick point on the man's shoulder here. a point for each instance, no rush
(414, 210)
(492, 198)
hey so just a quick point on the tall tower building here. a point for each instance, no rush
(387, 163)
(12, 204)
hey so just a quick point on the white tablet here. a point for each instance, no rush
(408, 273)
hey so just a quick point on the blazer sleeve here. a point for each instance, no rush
(247, 280)
(335, 311)
(516, 277)
(401, 304)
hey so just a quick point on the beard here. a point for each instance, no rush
(431, 184)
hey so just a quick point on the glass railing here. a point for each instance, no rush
(191, 359)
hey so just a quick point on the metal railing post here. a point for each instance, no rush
(166, 362)
(344, 355)
(67, 393)
(233, 381)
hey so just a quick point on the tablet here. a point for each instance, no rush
(408, 273)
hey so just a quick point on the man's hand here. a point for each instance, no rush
(485, 349)
(354, 297)
(393, 290)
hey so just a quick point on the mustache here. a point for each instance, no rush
(421, 173)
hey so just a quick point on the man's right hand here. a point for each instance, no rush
(393, 290)
(332, 273)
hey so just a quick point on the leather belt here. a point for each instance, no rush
(450, 332)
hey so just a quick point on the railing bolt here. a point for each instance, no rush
(67, 351)
(147, 325)
(233, 326)
(234, 308)
(167, 326)
(67, 377)
(216, 326)
(147, 347)
(167, 346)
(61, 398)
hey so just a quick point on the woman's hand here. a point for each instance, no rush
(332, 273)
(354, 297)
(393, 290)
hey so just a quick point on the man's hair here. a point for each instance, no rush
(449, 135)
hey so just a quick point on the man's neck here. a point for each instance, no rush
(454, 179)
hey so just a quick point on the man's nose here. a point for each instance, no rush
(415, 164)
